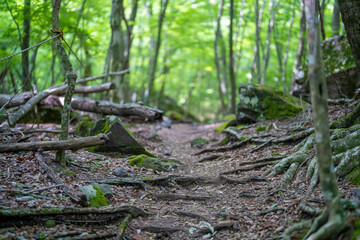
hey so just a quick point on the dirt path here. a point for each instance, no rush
(231, 207)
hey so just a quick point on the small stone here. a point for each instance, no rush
(166, 123)
(167, 153)
(31, 204)
(120, 172)
(106, 189)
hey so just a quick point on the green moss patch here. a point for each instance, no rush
(175, 115)
(356, 233)
(153, 163)
(199, 142)
(354, 176)
(230, 122)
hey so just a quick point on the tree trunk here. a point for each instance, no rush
(71, 80)
(301, 48)
(231, 60)
(217, 59)
(284, 62)
(336, 221)
(274, 7)
(256, 63)
(117, 46)
(350, 10)
(149, 92)
(25, 76)
(335, 27)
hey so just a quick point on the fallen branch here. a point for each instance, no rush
(13, 101)
(92, 89)
(83, 80)
(75, 196)
(73, 144)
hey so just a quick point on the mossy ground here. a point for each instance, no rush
(153, 163)
(354, 176)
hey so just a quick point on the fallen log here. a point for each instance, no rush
(14, 101)
(108, 108)
(72, 144)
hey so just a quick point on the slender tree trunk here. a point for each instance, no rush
(128, 43)
(335, 27)
(25, 76)
(256, 63)
(273, 6)
(321, 15)
(239, 25)
(149, 91)
(284, 62)
(117, 47)
(217, 60)
(231, 60)
(350, 10)
(337, 217)
(301, 47)
(278, 46)
(71, 80)
(223, 66)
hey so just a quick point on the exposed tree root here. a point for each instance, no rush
(274, 209)
(174, 197)
(122, 227)
(249, 168)
(223, 149)
(192, 215)
(28, 216)
(209, 158)
(216, 228)
(161, 229)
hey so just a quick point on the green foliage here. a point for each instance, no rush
(356, 233)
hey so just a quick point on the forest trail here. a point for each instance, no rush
(200, 198)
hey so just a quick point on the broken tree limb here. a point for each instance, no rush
(92, 89)
(83, 80)
(75, 196)
(110, 108)
(73, 144)
(14, 101)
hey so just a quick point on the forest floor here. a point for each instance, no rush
(250, 207)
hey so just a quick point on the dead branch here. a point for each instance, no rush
(73, 144)
(92, 89)
(14, 101)
(75, 196)
(83, 80)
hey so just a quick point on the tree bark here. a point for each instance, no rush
(25, 76)
(335, 27)
(73, 144)
(149, 91)
(117, 46)
(14, 101)
(337, 216)
(71, 80)
(256, 63)
(350, 10)
(231, 60)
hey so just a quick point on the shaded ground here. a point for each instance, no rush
(239, 210)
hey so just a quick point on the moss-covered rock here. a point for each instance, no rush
(153, 163)
(339, 68)
(94, 196)
(199, 142)
(175, 115)
(231, 121)
(120, 137)
(354, 176)
(259, 103)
